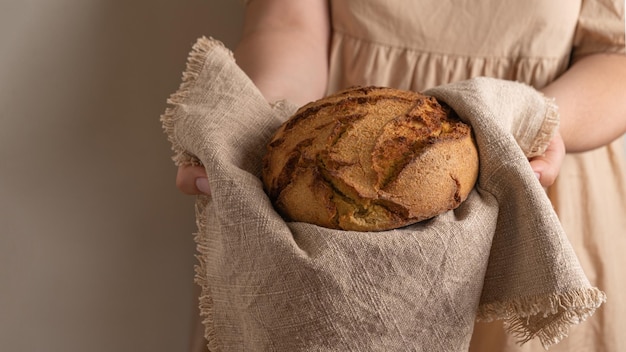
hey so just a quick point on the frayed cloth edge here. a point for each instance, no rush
(547, 131)
(205, 300)
(195, 63)
(560, 312)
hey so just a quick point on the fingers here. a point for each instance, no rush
(548, 165)
(192, 180)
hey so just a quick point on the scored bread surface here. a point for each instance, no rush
(370, 159)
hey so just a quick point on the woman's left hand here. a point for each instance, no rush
(548, 165)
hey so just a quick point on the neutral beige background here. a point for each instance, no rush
(96, 251)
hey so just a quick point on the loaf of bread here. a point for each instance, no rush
(370, 159)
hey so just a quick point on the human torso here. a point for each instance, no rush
(419, 44)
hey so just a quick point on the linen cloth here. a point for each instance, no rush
(417, 45)
(272, 285)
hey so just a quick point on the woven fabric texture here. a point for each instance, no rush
(273, 285)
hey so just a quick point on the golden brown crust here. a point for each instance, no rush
(369, 159)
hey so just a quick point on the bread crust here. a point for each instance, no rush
(370, 159)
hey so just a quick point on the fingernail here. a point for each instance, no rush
(537, 175)
(202, 184)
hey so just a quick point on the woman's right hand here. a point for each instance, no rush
(192, 180)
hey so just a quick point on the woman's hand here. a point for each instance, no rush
(284, 50)
(192, 180)
(548, 165)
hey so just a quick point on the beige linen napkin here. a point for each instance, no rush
(271, 285)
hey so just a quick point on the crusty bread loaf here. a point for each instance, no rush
(369, 159)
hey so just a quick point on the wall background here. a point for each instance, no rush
(96, 245)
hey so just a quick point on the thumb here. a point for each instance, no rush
(192, 180)
(548, 165)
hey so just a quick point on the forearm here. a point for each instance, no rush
(284, 48)
(591, 97)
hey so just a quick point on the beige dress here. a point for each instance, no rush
(421, 44)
